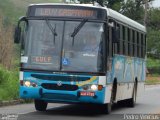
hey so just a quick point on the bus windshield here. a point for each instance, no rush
(50, 45)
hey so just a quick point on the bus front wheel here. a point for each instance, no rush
(40, 105)
(107, 108)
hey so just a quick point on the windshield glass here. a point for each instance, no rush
(43, 47)
(83, 51)
(49, 45)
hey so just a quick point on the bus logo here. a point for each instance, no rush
(59, 83)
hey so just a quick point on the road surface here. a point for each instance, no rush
(149, 103)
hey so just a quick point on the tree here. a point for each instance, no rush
(133, 10)
(86, 1)
(114, 4)
(153, 36)
(6, 44)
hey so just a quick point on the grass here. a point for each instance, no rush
(153, 80)
(8, 84)
(153, 67)
(153, 63)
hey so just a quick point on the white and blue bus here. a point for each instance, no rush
(75, 53)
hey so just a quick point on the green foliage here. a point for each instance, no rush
(8, 84)
(153, 39)
(85, 1)
(114, 4)
(133, 10)
(153, 36)
(13, 9)
(153, 63)
(154, 18)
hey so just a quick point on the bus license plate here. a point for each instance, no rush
(92, 94)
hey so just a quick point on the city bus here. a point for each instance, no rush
(80, 53)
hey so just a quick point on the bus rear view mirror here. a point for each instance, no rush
(115, 35)
(17, 32)
(17, 35)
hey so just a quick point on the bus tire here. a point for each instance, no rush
(132, 101)
(40, 105)
(107, 108)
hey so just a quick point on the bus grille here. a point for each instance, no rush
(65, 87)
(60, 78)
(60, 96)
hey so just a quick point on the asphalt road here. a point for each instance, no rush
(149, 103)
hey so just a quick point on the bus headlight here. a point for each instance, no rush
(30, 84)
(27, 83)
(94, 87)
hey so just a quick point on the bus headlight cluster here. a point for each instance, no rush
(29, 84)
(93, 87)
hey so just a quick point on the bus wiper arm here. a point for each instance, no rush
(77, 29)
(53, 30)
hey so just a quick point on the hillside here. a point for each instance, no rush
(11, 10)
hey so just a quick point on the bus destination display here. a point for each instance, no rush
(63, 12)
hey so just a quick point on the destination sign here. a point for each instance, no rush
(65, 12)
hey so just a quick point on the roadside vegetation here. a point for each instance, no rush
(152, 80)
(8, 84)
(153, 71)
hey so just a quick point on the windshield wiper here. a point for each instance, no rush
(53, 30)
(77, 29)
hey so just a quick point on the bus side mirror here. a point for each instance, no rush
(115, 35)
(17, 34)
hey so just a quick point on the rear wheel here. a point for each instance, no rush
(132, 101)
(40, 105)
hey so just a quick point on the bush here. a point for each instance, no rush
(8, 84)
(153, 66)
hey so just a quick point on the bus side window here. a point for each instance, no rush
(121, 40)
(138, 45)
(129, 42)
(116, 47)
(145, 43)
(110, 42)
(133, 42)
(142, 45)
(126, 41)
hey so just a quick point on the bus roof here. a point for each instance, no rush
(121, 18)
(110, 13)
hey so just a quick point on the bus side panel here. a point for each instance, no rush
(125, 70)
(141, 80)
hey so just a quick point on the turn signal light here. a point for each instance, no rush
(100, 87)
(21, 82)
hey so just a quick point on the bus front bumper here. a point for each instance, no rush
(61, 95)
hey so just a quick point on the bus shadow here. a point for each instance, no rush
(80, 110)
